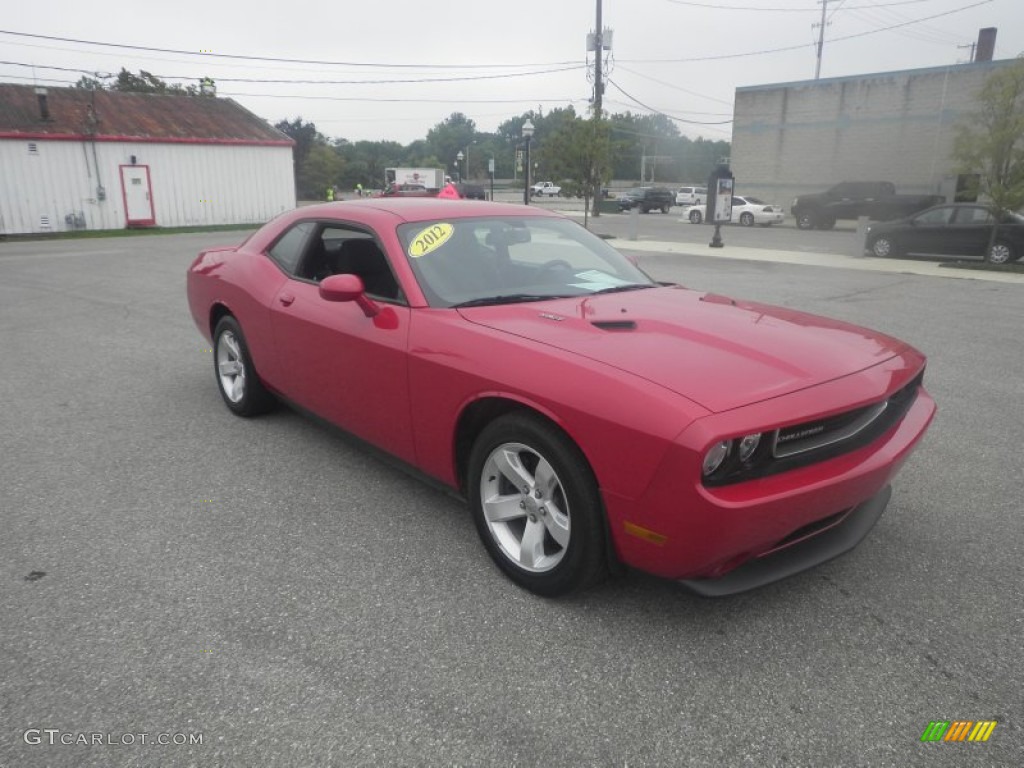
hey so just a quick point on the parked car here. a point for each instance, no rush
(548, 188)
(852, 199)
(956, 229)
(647, 199)
(471, 191)
(691, 195)
(723, 442)
(746, 210)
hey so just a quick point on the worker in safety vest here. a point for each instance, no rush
(330, 194)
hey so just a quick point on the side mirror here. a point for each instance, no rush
(348, 288)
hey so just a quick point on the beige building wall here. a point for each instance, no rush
(794, 138)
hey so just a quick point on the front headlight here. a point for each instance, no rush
(715, 456)
(729, 460)
(748, 445)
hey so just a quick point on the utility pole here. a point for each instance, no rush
(598, 91)
(598, 86)
(973, 47)
(821, 37)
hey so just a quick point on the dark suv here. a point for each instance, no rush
(647, 199)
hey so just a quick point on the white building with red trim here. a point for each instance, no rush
(74, 159)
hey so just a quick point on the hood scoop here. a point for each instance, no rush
(614, 325)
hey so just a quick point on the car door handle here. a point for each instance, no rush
(286, 299)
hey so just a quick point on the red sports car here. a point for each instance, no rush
(592, 416)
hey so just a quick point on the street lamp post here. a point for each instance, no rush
(528, 135)
(458, 162)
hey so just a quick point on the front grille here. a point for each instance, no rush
(818, 434)
(814, 441)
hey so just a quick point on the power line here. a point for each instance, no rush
(718, 7)
(659, 112)
(673, 86)
(805, 45)
(318, 62)
(312, 82)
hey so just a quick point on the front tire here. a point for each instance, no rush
(536, 506)
(884, 247)
(805, 221)
(665, 208)
(696, 217)
(237, 380)
(747, 219)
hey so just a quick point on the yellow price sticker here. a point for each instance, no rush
(430, 239)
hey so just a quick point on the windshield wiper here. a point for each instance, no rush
(509, 298)
(620, 288)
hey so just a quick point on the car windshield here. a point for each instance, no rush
(500, 260)
(756, 200)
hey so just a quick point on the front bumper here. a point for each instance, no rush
(801, 555)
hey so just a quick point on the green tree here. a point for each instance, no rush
(451, 136)
(144, 82)
(322, 168)
(86, 83)
(576, 153)
(306, 136)
(991, 144)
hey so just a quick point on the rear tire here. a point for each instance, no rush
(1001, 252)
(747, 219)
(805, 221)
(696, 217)
(665, 208)
(237, 380)
(536, 506)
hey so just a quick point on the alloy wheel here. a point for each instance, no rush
(525, 507)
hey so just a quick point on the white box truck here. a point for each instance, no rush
(430, 178)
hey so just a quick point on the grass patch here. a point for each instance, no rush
(86, 234)
(1013, 266)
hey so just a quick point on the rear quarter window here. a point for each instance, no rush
(288, 249)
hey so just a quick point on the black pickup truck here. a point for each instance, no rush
(852, 199)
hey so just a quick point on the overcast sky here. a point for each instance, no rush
(509, 57)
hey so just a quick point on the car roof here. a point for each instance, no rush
(418, 209)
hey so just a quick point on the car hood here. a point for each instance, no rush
(716, 352)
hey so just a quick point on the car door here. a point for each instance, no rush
(929, 231)
(970, 230)
(340, 364)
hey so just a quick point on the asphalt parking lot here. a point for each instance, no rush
(169, 569)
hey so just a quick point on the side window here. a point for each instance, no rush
(339, 250)
(972, 217)
(937, 217)
(288, 249)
